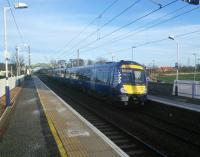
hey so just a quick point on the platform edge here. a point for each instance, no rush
(57, 139)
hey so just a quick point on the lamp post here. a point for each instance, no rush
(198, 64)
(177, 64)
(133, 47)
(198, 61)
(195, 71)
(195, 65)
(18, 64)
(5, 9)
(153, 68)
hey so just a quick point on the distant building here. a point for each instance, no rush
(61, 63)
(74, 62)
(164, 69)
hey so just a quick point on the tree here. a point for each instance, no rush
(13, 63)
(2, 66)
(198, 67)
(53, 63)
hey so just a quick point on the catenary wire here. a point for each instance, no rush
(15, 21)
(128, 24)
(86, 27)
(145, 29)
(114, 18)
(160, 7)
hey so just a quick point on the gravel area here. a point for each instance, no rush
(14, 92)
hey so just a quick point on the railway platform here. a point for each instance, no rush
(42, 124)
(175, 103)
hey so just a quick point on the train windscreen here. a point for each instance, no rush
(132, 76)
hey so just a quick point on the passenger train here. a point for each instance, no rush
(123, 81)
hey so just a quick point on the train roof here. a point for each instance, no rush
(110, 64)
(107, 64)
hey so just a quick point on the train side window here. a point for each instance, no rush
(105, 76)
(93, 75)
(85, 75)
(110, 75)
(99, 76)
(62, 73)
(67, 74)
(89, 75)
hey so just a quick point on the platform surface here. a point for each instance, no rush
(43, 125)
(28, 133)
(78, 136)
(179, 104)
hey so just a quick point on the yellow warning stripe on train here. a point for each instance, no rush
(132, 66)
(130, 89)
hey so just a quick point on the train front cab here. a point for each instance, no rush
(132, 79)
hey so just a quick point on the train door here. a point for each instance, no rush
(92, 79)
(114, 82)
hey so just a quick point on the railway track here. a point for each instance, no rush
(128, 142)
(123, 134)
(184, 134)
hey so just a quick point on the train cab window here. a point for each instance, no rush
(131, 76)
(139, 76)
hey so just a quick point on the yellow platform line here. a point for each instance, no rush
(59, 143)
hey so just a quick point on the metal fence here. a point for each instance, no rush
(13, 82)
(188, 88)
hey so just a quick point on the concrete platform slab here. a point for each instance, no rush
(183, 105)
(78, 136)
(28, 133)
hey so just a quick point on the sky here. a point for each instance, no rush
(56, 29)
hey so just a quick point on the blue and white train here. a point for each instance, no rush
(123, 81)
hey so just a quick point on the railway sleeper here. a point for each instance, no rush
(116, 136)
(111, 133)
(129, 146)
(121, 141)
(139, 152)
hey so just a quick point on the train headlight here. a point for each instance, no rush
(145, 90)
(123, 90)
